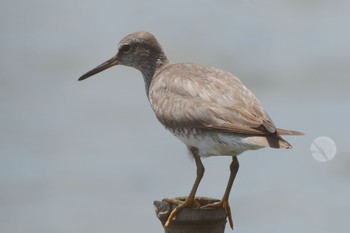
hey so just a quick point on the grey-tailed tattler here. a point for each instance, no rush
(208, 109)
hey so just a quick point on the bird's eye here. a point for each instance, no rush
(125, 48)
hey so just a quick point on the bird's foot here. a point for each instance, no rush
(222, 204)
(189, 202)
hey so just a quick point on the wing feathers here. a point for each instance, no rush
(194, 96)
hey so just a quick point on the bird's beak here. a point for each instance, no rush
(111, 62)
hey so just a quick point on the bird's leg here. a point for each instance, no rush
(224, 202)
(190, 200)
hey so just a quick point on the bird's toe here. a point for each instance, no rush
(181, 204)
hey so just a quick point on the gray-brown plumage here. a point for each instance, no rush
(208, 109)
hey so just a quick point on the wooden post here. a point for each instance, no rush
(192, 220)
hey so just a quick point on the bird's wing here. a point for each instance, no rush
(194, 96)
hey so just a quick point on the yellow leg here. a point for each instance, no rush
(224, 203)
(190, 200)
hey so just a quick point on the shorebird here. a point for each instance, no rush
(208, 109)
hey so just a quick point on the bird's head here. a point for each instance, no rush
(140, 50)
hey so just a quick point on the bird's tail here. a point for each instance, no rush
(277, 141)
(274, 140)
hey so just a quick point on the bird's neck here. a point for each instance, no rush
(151, 70)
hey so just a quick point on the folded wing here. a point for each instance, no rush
(207, 97)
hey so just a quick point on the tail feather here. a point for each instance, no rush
(288, 132)
(277, 142)
(273, 141)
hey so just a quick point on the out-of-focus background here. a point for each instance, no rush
(91, 157)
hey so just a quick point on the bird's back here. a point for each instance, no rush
(190, 95)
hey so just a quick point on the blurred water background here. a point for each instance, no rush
(91, 157)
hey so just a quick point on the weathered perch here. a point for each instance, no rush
(192, 220)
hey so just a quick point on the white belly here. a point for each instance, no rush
(210, 143)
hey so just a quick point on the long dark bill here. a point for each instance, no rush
(111, 62)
